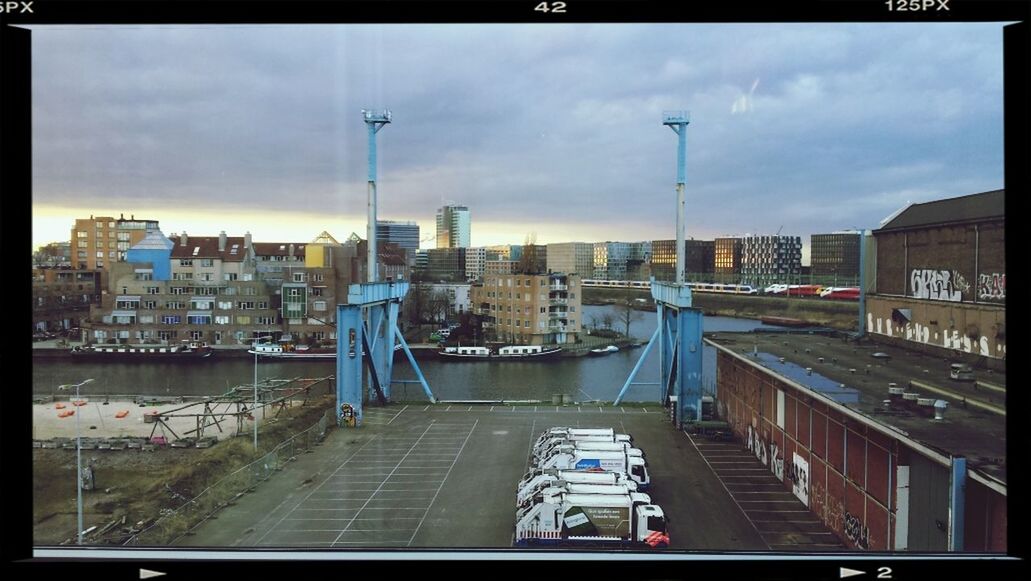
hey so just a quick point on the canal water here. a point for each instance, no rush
(582, 378)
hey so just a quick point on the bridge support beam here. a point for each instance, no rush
(679, 339)
(379, 303)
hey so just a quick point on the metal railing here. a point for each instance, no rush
(174, 523)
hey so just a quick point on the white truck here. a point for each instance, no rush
(559, 440)
(568, 458)
(527, 495)
(580, 445)
(563, 432)
(537, 479)
(592, 519)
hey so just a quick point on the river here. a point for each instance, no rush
(582, 378)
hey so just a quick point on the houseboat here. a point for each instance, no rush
(506, 353)
(187, 351)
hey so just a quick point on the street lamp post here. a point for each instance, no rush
(78, 458)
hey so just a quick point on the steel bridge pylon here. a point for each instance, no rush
(679, 339)
(369, 341)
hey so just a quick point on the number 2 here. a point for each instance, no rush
(884, 573)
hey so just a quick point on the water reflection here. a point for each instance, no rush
(582, 378)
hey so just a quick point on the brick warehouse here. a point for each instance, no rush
(878, 473)
(940, 279)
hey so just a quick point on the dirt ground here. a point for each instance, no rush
(133, 486)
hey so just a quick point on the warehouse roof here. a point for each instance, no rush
(971, 208)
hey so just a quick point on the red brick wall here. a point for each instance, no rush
(851, 465)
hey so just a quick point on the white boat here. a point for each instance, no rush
(508, 352)
(292, 352)
(604, 350)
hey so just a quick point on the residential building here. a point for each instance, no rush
(529, 309)
(97, 242)
(224, 290)
(572, 258)
(475, 262)
(500, 267)
(834, 257)
(939, 278)
(453, 227)
(61, 297)
(53, 255)
(768, 260)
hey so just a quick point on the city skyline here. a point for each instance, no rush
(553, 130)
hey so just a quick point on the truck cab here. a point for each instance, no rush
(570, 439)
(563, 432)
(624, 447)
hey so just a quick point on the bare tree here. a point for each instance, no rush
(439, 306)
(607, 320)
(626, 314)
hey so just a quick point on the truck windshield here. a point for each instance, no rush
(657, 523)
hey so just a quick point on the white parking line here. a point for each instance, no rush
(457, 456)
(398, 464)
(370, 440)
(398, 413)
(621, 409)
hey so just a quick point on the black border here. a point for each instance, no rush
(15, 197)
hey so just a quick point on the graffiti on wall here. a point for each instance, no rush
(777, 464)
(949, 338)
(800, 478)
(757, 446)
(856, 531)
(938, 285)
(991, 286)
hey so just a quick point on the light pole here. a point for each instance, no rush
(78, 457)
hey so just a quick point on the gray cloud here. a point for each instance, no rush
(526, 124)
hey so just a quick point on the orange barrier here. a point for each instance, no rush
(59, 406)
(78, 403)
(122, 414)
(66, 413)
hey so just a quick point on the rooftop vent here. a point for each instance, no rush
(925, 401)
(910, 396)
(939, 409)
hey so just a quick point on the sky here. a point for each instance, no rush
(551, 131)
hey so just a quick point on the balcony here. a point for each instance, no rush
(558, 287)
(558, 300)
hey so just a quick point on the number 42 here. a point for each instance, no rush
(556, 7)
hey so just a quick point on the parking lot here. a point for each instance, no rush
(424, 476)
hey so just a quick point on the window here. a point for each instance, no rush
(153, 290)
(168, 335)
(262, 304)
(150, 304)
(316, 291)
(517, 282)
(185, 262)
(123, 236)
(206, 276)
(175, 305)
(82, 244)
(179, 290)
(245, 305)
(222, 319)
(230, 276)
(225, 305)
(199, 319)
(316, 278)
(243, 320)
(207, 262)
(196, 335)
(100, 254)
(299, 277)
(82, 234)
(201, 305)
(249, 291)
(544, 310)
(265, 320)
(171, 319)
(319, 306)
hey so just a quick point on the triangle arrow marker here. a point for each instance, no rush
(147, 574)
(846, 572)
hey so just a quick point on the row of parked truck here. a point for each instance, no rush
(586, 486)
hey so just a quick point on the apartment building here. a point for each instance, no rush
(529, 309)
(98, 242)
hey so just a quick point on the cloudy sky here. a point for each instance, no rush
(550, 129)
